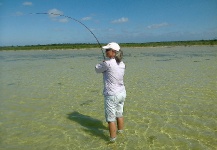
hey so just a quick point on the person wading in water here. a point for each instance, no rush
(114, 90)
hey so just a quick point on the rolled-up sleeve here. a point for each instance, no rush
(101, 67)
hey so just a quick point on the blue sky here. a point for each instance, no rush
(122, 21)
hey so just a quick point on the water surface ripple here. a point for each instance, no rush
(53, 99)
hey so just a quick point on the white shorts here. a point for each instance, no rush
(114, 106)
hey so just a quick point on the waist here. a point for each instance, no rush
(113, 91)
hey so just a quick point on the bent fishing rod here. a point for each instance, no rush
(76, 21)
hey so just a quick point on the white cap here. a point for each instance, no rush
(113, 46)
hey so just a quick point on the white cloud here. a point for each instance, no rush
(27, 3)
(156, 26)
(121, 20)
(54, 15)
(63, 20)
(86, 18)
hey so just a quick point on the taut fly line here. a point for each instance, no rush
(76, 21)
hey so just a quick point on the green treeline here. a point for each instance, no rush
(171, 43)
(95, 45)
(50, 46)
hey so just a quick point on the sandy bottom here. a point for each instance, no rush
(53, 100)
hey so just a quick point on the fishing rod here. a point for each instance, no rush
(76, 21)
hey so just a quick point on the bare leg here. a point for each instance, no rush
(112, 129)
(120, 122)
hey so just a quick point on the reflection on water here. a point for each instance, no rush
(53, 99)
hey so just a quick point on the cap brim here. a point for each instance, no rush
(106, 47)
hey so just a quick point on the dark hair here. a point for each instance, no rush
(119, 56)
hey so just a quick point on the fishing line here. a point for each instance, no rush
(76, 21)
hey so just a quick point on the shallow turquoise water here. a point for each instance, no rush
(53, 99)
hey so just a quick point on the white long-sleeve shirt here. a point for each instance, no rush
(113, 75)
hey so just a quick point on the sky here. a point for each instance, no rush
(122, 21)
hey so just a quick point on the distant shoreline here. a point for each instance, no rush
(82, 46)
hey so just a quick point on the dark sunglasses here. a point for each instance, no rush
(108, 50)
